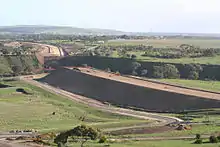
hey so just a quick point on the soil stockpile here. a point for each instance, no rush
(124, 94)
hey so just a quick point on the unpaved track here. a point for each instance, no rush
(10, 144)
(159, 138)
(45, 50)
(159, 119)
(152, 85)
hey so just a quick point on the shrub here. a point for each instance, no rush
(218, 137)
(133, 56)
(213, 139)
(198, 136)
(144, 72)
(158, 72)
(170, 71)
(193, 75)
(198, 141)
(103, 139)
(134, 73)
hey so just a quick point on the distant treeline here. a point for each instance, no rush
(145, 69)
(47, 36)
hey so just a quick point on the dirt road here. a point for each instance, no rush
(45, 50)
(10, 144)
(152, 85)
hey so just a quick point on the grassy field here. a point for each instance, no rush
(173, 43)
(201, 60)
(205, 85)
(168, 143)
(203, 43)
(34, 111)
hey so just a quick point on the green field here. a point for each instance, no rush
(205, 85)
(34, 111)
(203, 43)
(170, 43)
(201, 60)
(167, 143)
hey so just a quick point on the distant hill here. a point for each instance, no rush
(32, 29)
(65, 30)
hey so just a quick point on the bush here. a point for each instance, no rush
(170, 71)
(218, 137)
(165, 71)
(134, 73)
(198, 136)
(213, 139)
(144, 72)
(133, 56)
(103, 139)
(198, 141)
(193, 75)
(158, 72)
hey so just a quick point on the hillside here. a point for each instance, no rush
(10, 65)
(35, 29)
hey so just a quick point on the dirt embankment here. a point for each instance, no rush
(45, 50)
(126, 93)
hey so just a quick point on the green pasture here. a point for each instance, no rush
(34, 111)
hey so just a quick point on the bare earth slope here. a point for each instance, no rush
(129, 92)
(45, 50)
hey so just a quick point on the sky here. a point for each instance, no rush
(185, 16)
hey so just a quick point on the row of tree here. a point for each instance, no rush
(168, 71)
(184, 50)
(150, 69)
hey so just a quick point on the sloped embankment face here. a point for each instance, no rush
(22, 64)
(124, 94)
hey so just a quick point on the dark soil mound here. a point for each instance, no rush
(126, 95)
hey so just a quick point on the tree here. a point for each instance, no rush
(81, 133)
(135, 65)
(84, 133)
(61, 139)
(144, 72)
(213, 139)
(16, 69)
(133, 56)
(198, 136)
(5, 51)
(170, 71)
(102, 139)
(157, 72)
(193, 70)
(193, 75)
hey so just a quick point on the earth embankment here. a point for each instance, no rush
(125, 94)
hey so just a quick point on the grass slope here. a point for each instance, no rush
(19, 111)
(22, 62)
(205, 85)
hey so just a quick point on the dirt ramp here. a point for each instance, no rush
(124, 94)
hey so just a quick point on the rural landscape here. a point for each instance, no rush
(67, 87)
